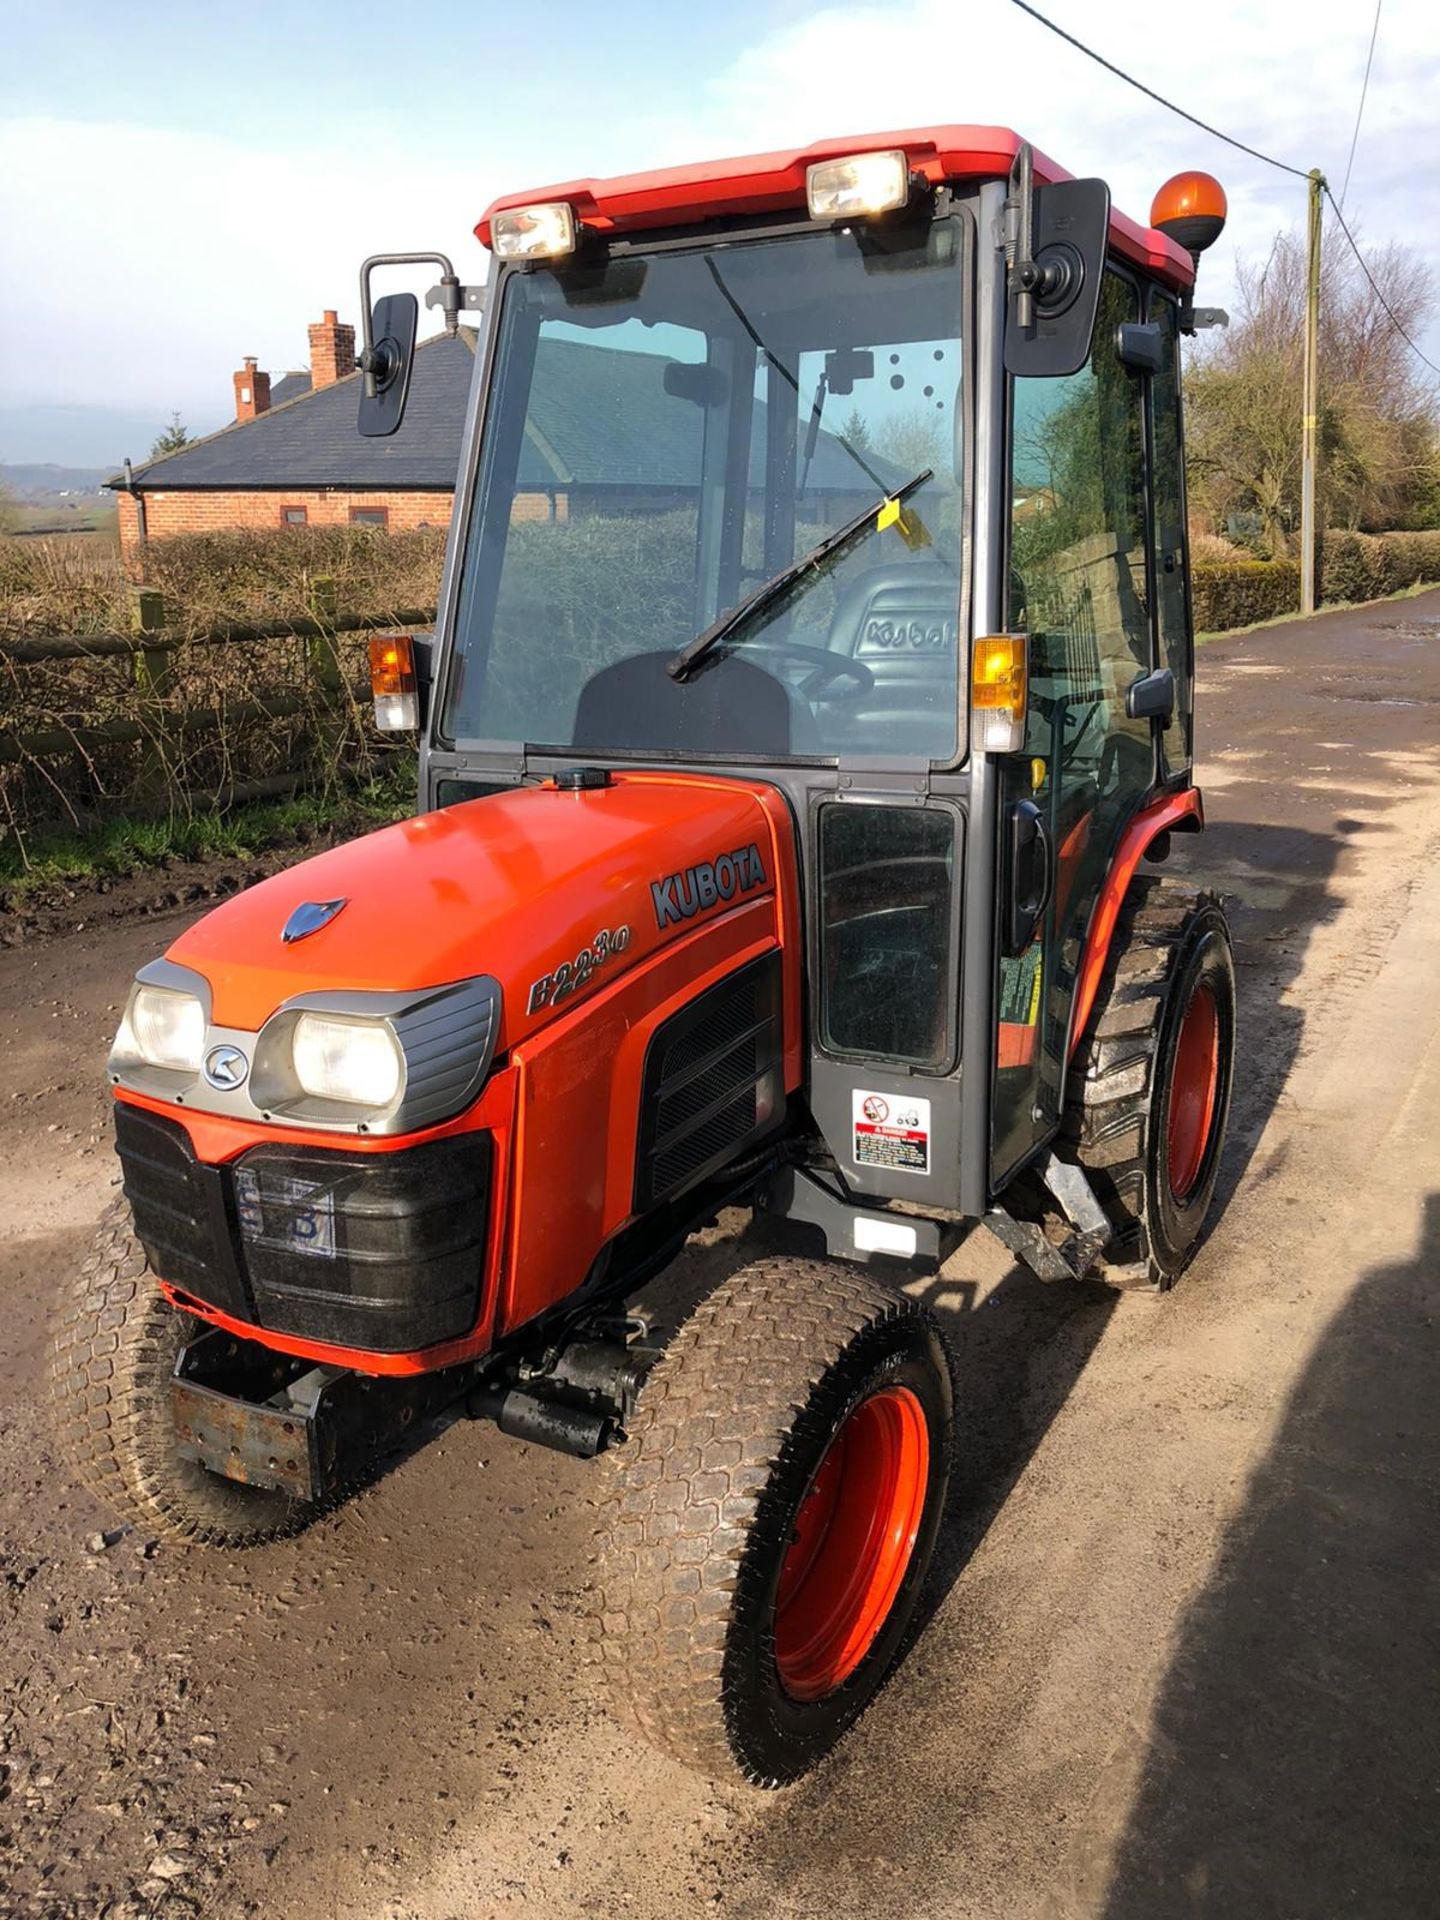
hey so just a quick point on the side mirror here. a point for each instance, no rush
(386, 362)
(1062, 232)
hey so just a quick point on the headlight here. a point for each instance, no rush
(356, 1061)
(164, 1029)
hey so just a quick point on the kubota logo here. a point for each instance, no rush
(680, 896)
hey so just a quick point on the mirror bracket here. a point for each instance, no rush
(472, 299)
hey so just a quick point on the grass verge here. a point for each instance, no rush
(121, 847)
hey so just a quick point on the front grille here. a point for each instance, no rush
(713, 1083)
(181, 1209)
(383, 1251)
(377, 1250)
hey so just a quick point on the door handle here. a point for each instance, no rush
(1030, 875)
(1152, 696)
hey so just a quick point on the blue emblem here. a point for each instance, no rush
(309, 917)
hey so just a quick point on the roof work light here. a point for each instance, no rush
(534, 233)
(865, 183)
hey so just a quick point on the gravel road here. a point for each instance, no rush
(1181, 1649)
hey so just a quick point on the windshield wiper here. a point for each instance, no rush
(689, 657)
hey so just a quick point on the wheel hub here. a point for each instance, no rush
(1194, 1082)
(853, 1539)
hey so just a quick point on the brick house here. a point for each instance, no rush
(598, 441)
(292, 457)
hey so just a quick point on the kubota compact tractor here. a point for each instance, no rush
(812, 673)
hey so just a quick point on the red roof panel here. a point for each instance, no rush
(771, 182)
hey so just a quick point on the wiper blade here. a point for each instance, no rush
(689, 657)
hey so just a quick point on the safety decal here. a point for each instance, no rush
(891, 1131)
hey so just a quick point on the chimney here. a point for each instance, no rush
(332, 351)
(252, 390)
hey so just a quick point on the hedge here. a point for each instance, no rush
(1353, 566)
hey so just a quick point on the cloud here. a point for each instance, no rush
(1283, 79)
(145, 261)
(152, 259)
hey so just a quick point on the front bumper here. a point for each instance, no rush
(378, 1251)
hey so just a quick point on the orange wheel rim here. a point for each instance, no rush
(1193, 1087)
(853, 1540)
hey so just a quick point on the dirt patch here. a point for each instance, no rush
(1169, 1662)
(61, 909)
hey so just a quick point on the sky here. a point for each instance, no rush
(185, 184)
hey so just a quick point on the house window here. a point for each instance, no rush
(369, 516)
(294, 516)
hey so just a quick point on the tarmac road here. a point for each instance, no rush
(1182, 1648)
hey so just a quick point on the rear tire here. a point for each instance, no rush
(1149, 1088)
(773, 1518)
(115, 1348)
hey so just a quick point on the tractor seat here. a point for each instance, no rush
(902, 622)
(730, 706)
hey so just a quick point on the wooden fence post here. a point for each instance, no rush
(152, 675)
(154, 669)
(323, 654)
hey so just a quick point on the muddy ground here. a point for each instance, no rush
(1182, 1645)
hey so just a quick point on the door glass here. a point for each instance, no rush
(1079, 588)
(886, 889)
(1170, 558)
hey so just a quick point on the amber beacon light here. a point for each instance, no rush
(1191, 208)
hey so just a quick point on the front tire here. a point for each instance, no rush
(1149, 1091)
(116, 1344)
(774, 1517)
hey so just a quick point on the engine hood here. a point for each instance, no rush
(534, 886)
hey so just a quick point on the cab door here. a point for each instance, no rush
(1081, 586)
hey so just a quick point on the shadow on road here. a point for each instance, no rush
(1279, 885)
(1294, 1765)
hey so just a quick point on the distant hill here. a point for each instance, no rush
(87, 437)
(42, 482)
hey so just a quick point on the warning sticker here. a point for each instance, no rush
(891, 1130)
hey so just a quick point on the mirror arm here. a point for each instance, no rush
(450, 291)
(1020, 236)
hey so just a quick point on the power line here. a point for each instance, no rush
(1360, 110)
(1159, 98)
(1254, 152)
(1375, 289)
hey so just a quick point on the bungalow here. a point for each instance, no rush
(619, 442)
(292, 458)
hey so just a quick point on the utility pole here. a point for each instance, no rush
(1310, 404)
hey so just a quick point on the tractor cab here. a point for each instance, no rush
(811, 675)
(858, 473)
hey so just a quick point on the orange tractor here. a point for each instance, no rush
(813, 670)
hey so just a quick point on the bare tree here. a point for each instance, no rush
(1378, 456)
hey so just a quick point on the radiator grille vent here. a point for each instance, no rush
(713, 1083)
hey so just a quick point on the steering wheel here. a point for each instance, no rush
(824, 666)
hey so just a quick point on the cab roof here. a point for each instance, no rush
(758, 183)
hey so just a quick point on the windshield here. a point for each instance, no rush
(667, 432)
